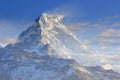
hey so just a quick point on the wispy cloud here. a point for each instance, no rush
(8, 40)
(108, 37)
(102, 35)
(116, 24)
(101, 59)
(111, 18)
(103, 47)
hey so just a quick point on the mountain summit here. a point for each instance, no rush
(44, 52)
(49, 33)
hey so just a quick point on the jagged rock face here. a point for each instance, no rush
(43, 53)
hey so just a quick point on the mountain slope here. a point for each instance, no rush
(43, 52)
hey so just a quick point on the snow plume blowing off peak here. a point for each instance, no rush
(49, 37)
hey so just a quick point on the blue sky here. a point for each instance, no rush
(96, 21)
(23, 9)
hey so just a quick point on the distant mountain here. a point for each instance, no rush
(43, 52)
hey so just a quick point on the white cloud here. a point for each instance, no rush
(107, 66)
(108, 61)
(103, 47)
(108, 37)
(8, 40)
(118, 50)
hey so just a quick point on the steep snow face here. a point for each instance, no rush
(57, 39)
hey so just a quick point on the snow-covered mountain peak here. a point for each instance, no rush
(49, 33)
(48, 19)
(52, 17)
